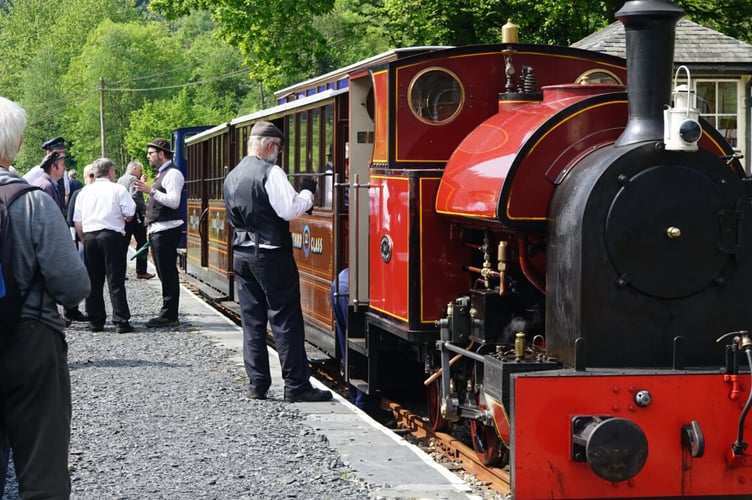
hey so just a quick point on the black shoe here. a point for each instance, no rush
(160, 322)
(96, 327)
(310, 394)
(123, 327)
(75, 315)
(254, 394)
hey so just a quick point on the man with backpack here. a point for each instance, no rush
(40, 268)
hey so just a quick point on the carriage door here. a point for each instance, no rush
(208, 235)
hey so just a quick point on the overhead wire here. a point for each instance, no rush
(71, 101)
(189, 84)
(172, 70)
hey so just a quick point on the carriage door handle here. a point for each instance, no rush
(201, 223)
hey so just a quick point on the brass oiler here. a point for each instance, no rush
(501, 256)
(509, 37)
(519, 345)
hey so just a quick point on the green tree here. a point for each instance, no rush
(352, 33)
(280, 52)
(119, 54)
(38, 39)
(216, 87)
(731, 17)
(277, 37)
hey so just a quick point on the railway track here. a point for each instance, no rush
(451, 448)
(408, 422)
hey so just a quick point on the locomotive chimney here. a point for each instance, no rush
(649, 26)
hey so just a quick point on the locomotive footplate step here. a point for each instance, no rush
(315, 355)
(395, 467)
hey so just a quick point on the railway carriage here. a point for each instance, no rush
(549, 242)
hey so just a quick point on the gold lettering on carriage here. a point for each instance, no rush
(307, 243)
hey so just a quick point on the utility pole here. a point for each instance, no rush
(101, 114)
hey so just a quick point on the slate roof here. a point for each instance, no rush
(698, 47)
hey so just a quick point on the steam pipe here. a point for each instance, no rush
(525, 266)
(739, 445)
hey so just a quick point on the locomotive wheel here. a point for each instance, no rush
(486, 442)
(487, 445)
(437, 422)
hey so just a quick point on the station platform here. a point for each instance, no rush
(398, 469)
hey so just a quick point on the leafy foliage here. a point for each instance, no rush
(172, 63)
(143, 61)
(731, 17)
(115, 53)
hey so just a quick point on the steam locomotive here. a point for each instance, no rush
(550, 254)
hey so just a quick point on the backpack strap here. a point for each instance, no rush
(8, 194)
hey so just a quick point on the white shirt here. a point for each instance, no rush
(283, 198)
(103, 204)
(286, 202)
(33, 174)
(172, 183)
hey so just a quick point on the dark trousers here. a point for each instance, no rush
(136, 230)
(268, 286)
(359, 398)
(105, 260)
(164, 251)
(35, 408)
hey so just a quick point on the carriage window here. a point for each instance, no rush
(302, 157)
(436, 96)
(328, 148)
(598, 76)
(314, 159)
(292, 148)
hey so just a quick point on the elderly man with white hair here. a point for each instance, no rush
(35, 392)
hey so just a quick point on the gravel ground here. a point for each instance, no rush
(164, 414)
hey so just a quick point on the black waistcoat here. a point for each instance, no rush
(248, 209)
(155, 211)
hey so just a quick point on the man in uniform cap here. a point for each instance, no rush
(56, 144)
(53, 144)
(260, 202)
(164, 223)
(63, 185)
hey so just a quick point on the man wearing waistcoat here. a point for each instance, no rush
(164, 224)
(260, 202)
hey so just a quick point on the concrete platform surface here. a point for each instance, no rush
(398, 469)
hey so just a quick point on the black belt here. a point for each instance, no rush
(102, 231)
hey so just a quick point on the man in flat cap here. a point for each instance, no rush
(164, 224)
(260, 202)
